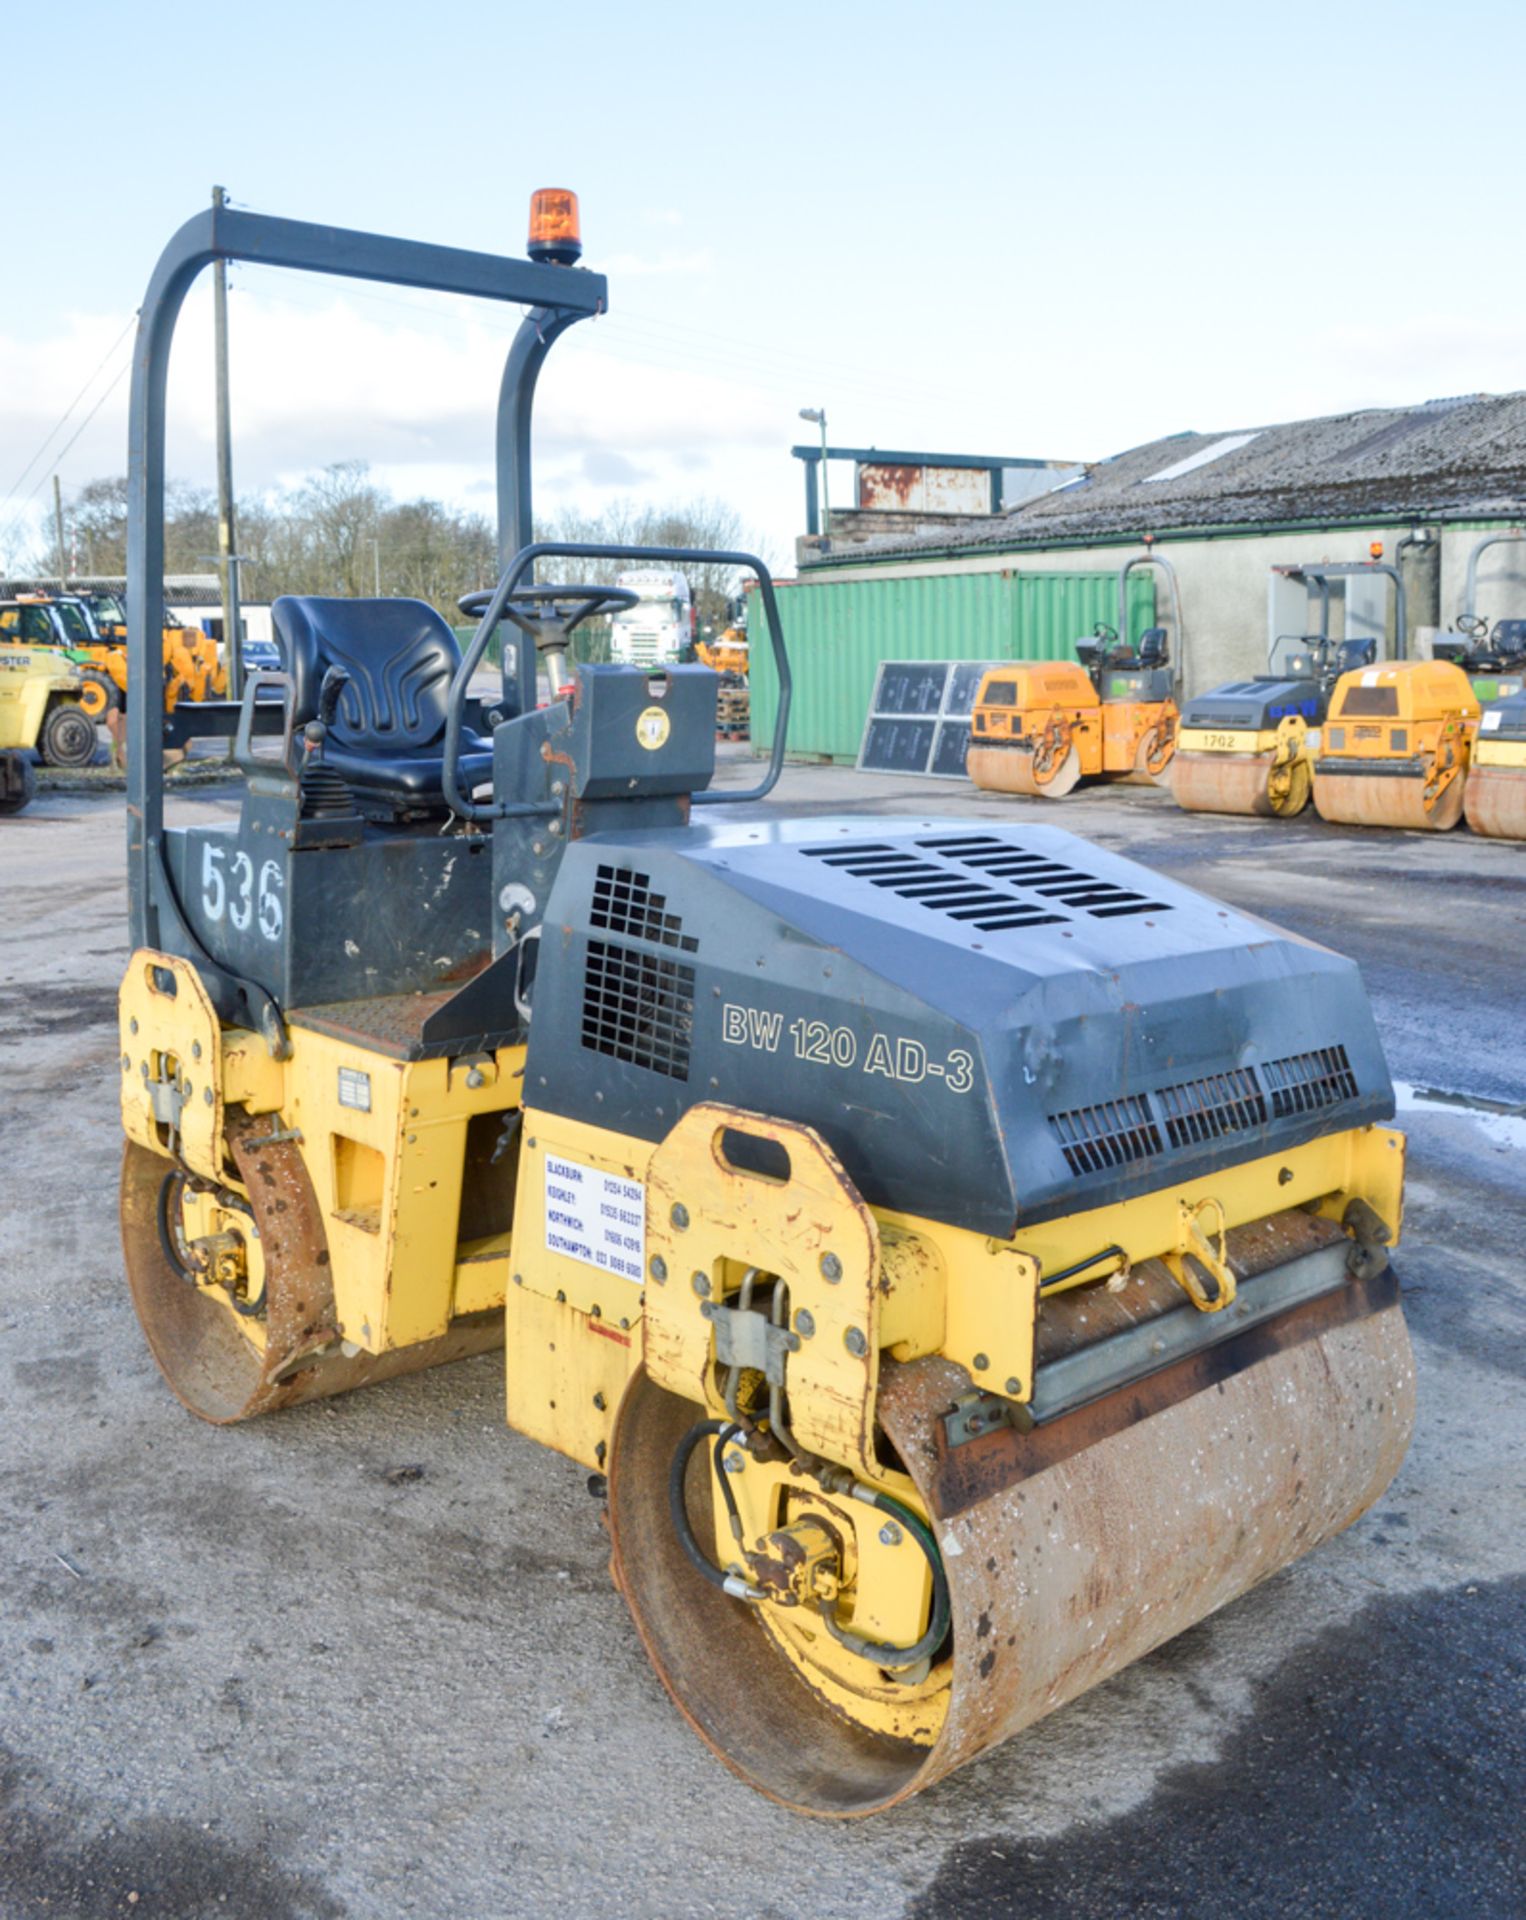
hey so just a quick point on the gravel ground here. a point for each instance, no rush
(364, 1659)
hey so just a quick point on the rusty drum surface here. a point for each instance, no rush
(1070, 1552)
(212, 1367)
(1014, 770)
(1233, 783)
(1386, 800)
(1495, 801)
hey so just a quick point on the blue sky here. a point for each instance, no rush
(1007, 229)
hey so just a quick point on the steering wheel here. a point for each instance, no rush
(1474, 625)
(548, 614)
(1102, 631)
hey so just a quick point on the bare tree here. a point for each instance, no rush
(339, 532)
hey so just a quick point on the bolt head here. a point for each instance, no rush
(981, 1362)
(659, 1268)
(831, 1268)
(735, 1462)
(855, 1342)
(805, 1323)
(701, 1285)
(207, 1095)
(1014, 1387)
(890, 1534)
(680, 1215)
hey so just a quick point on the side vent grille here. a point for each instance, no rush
(1201, 1110)
(1111, 1134)
(1306, 1082)
(1054, 882)
(623, 902)
(638, 1007)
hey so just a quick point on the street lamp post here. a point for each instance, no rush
(818, 417)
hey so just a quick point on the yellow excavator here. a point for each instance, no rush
(959, 1254)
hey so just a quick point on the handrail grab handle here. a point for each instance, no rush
(465, 808)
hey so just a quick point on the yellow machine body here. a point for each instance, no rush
(1395, 746)
(191, 667)
(376, 1264)
(1494, 800)
(1040, 727)
(33, 680)
(1267, 771)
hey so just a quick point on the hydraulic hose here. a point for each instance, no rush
(1049, 1281)
(879, 1651)
(171, 1184)
(679, 1510)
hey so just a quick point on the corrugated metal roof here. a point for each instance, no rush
(1463, 455)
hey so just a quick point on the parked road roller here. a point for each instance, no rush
(961, 1255)
(1040, 727)
(1248, 746)
(1394, 751)
(1494, 796)
(1494, 658)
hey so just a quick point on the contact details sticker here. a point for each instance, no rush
(596, 1217)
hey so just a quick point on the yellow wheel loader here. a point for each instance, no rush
(961, 1255)
(87, 627)
(42, 711)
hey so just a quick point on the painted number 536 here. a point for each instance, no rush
(231, 890)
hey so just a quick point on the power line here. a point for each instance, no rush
(17, 519)
(63, 420)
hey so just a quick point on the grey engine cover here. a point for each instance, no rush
(989, 1024)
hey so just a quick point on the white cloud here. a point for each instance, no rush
(642, 266)
(409, 388)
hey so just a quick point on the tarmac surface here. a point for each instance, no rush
(364, 1658)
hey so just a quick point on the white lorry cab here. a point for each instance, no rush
(661, 624)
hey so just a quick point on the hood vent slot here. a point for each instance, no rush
(1051, 879)
(1111, 1134)
(940, 888)
(1202, 1110)
(1309, 1082)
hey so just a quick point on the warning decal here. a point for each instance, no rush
(596, 1217)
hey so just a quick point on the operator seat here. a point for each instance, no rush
(388, 736)
(1152, 647)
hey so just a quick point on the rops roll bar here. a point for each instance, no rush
(463, 806)
(557, 296)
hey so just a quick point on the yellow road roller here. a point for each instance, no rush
(960, 1255)
(1249, 746)
(1494, 797)
(1394, 751)
(1041, 727)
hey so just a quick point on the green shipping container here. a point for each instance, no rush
(838, 632)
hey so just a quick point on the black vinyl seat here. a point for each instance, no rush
(388, 735)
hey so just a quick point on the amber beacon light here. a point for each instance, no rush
(554, 230)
